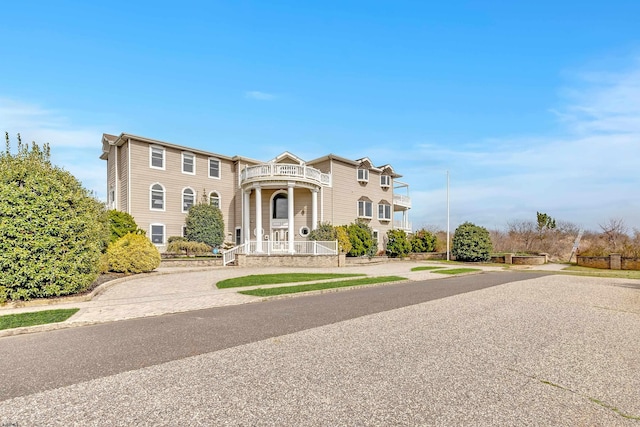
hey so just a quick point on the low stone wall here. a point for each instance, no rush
(613, 262)
(424, 256)
(191, 262)
(593, 261)
(244, 260)
(520, 259)
(528, 259)
(630, 263)
(364, 260)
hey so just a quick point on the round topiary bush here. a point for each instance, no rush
(133, 253)
(471, 243)
(121, 223)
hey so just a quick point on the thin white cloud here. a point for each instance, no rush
(585, 176)
(260, 96)
(76, 149)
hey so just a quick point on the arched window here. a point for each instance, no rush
(280, 206)
(214, 199)
(188, 199)
(156, 197)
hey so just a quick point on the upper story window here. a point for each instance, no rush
(189, 163)
(156, 197)
(363, 175)
(214, 168)
(156, 157)
(385, 181)
(384, 212)
(214, 199)
(188, 199)
(157, 234)
(365, 209)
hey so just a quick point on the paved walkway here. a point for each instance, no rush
(172, 290)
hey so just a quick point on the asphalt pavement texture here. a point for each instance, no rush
(488, 349)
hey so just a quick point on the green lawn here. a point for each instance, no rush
(319, 286)
(426, 268)
(274, 279)
(599, 272)
(457, 270)
(36, 318)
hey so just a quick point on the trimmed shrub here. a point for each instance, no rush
(324, 233)
(344, 244)
(423, 241)
(133, 253)
(205, 224)
(471, 243)
(52, 230)
(361, 238)
(121, 223)
(397, 243)
(189, 248)
(172, 239)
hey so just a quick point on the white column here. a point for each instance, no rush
(246, 216)
(314, 209)
(290, 216)
(259, 219)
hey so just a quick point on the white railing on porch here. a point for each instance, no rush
(269, 247)
(269, 170)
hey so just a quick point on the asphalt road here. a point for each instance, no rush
(44, 361)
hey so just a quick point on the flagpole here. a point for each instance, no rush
(447, 215)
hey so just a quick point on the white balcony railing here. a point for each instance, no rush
(282, 170)
(270, 247)
(403, 225)
(402, 200)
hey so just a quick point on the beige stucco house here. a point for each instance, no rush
(277, 202)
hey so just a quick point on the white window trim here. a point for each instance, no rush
(385, 178)
(164, 198)
(164, 233)
(219, 198)
(304, 231)
(164, 157)
(195, 197)
(365, 175)
(364, 209)
(219, 168)
(386, 207)
(193, 156)
(375, 234)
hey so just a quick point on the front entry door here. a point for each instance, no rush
(280, 239)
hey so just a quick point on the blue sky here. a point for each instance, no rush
(530, 107)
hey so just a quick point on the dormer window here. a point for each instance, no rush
(363, 175)
(385, 181)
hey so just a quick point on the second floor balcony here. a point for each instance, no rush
(402, 201)
(284, 171)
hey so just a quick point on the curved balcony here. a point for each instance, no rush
(282, 171)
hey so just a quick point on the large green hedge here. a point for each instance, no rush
(205, 224)
(471, 243)
(52, 231)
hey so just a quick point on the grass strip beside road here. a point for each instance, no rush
(599, 272)
(267, 292)
(19, 320)
(274, 279)
(457, 270)
(426, 268)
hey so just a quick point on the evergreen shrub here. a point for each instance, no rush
(471, 243)
(52, 230)
(133, 253)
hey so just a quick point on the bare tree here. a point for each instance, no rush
(614, 232)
